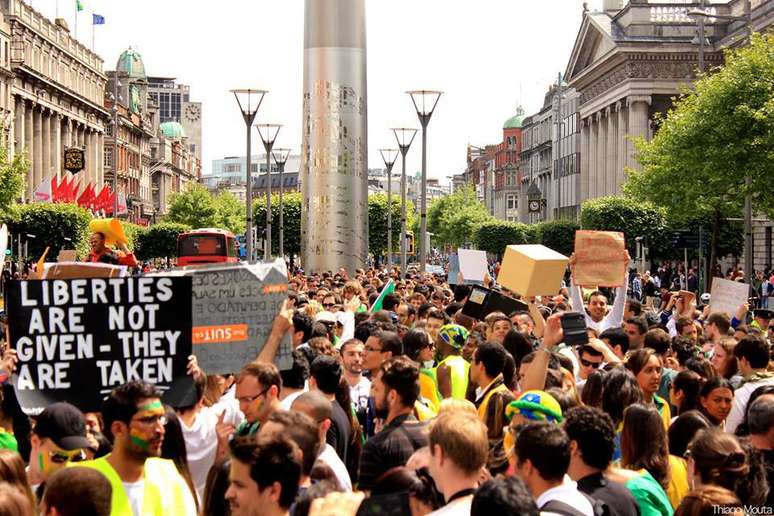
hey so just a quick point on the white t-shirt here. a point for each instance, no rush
(333, 461)
(135, 491)
(360, 393)
(568, 493)
(289, 399)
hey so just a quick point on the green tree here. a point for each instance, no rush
(12, 178)
(57, 226)
(558, 235)
(715, 135)
(291, 215)
(493, 236)
(632, 218)
(377, 223)
(159, 241)
(229, 213)
(453, 219)
(194, 207)
(132, 231)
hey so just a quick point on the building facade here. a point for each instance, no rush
(506, 170)
(54, 86)
(230, 174)
(175, 105)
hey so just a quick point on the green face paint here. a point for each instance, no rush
(41, 462)
(139, 441)
(155, 405)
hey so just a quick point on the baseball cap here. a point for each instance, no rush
(535, 406)
(64, 425)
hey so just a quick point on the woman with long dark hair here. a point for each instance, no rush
(684, 391)
(173, 448)
(715, 400)
(716, 458)
(646, 366)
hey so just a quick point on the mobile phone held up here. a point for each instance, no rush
(574, 328)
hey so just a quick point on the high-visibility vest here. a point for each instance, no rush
(428, 387)
(482, 409)
(459, 368)
(165, 493)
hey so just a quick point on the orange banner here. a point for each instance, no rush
(600, 258)
(224, 333)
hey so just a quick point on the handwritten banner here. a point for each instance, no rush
(234, 306)
(727, 296)
(599, 258)
(78, 339)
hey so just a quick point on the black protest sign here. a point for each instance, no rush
(233, 310)
(78, 339)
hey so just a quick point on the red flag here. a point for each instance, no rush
(110, 202)
(85, 199)
(98, 203)
(54, 187)
(61, 189)
(72, 194)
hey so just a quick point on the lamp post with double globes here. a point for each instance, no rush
(424, 104)
(268, 134)
(389, 156)
(280, 158)
(405, 137)
(249, 100)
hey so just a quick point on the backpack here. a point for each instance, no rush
(558, 507)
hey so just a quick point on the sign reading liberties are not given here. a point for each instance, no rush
(78, 339)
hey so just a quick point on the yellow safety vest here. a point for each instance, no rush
(165, 493)
(428, 387)
(458, 369)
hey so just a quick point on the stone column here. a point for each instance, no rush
(19, 129)
(29, 140)
(46, 134)
(621, 137)
(68, 136)
(594, 135)
(57, 150)
(602, 154)
(638, 123)
(584, 160)
(612, 144)
(100, 160)
(38, 149)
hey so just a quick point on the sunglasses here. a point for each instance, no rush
(59, 457)
(329, 305)
(593, 365)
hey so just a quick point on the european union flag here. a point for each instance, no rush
(97, 19)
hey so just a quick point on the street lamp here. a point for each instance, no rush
(389, 156)
(280, 158)
(424, 103)
(404, 137)
(700, 15)
(249, 100)
(268, 133)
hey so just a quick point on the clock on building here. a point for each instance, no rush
(193, 112)
(534, 206)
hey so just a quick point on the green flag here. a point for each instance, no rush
(389, 288)
(78, 6)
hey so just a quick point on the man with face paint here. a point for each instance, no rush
(59, 438)
(143, 483)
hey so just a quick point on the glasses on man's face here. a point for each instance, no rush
(250, 399)
(593, 365)
(63, 457)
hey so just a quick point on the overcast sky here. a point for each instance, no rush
(486, 55)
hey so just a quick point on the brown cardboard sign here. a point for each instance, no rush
(73, 270)
(600, 258)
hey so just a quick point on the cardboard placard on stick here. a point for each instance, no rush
(78, 339)
(473, 266)
(234, 306)
(600, 258)
(727, 296)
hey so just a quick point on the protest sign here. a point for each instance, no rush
(532, 270)
(78, 339)
(234, 306)
(600, 258)
(473, 266)
(727, 296)
(73, 270)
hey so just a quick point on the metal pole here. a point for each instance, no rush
(685, 258)
(267, 246)
(389, 217)
(423, 200)
(557, 166)
(403, 214)
(701, 260)
(249, 207)
(748, 230)
(115, 144)
(281, 167)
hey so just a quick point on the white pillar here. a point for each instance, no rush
(584, 159)
(612, 143)
(601, 149)
(621, 157)
(46, 137)
(638, 123)
(29, 141)
(593, 165)
(57, 150)
(38, 149)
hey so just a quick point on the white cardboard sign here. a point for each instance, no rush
(727, 296)
(473, 265)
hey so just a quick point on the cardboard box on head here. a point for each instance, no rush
(532, 270)
(111, 228)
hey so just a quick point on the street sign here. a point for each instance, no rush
(685, 239)
(74, 160)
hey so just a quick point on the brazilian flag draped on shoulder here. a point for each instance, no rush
(389, 288)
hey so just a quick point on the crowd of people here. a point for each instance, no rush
(400, 403)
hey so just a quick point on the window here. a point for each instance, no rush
(511, 202)
(108, 159)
